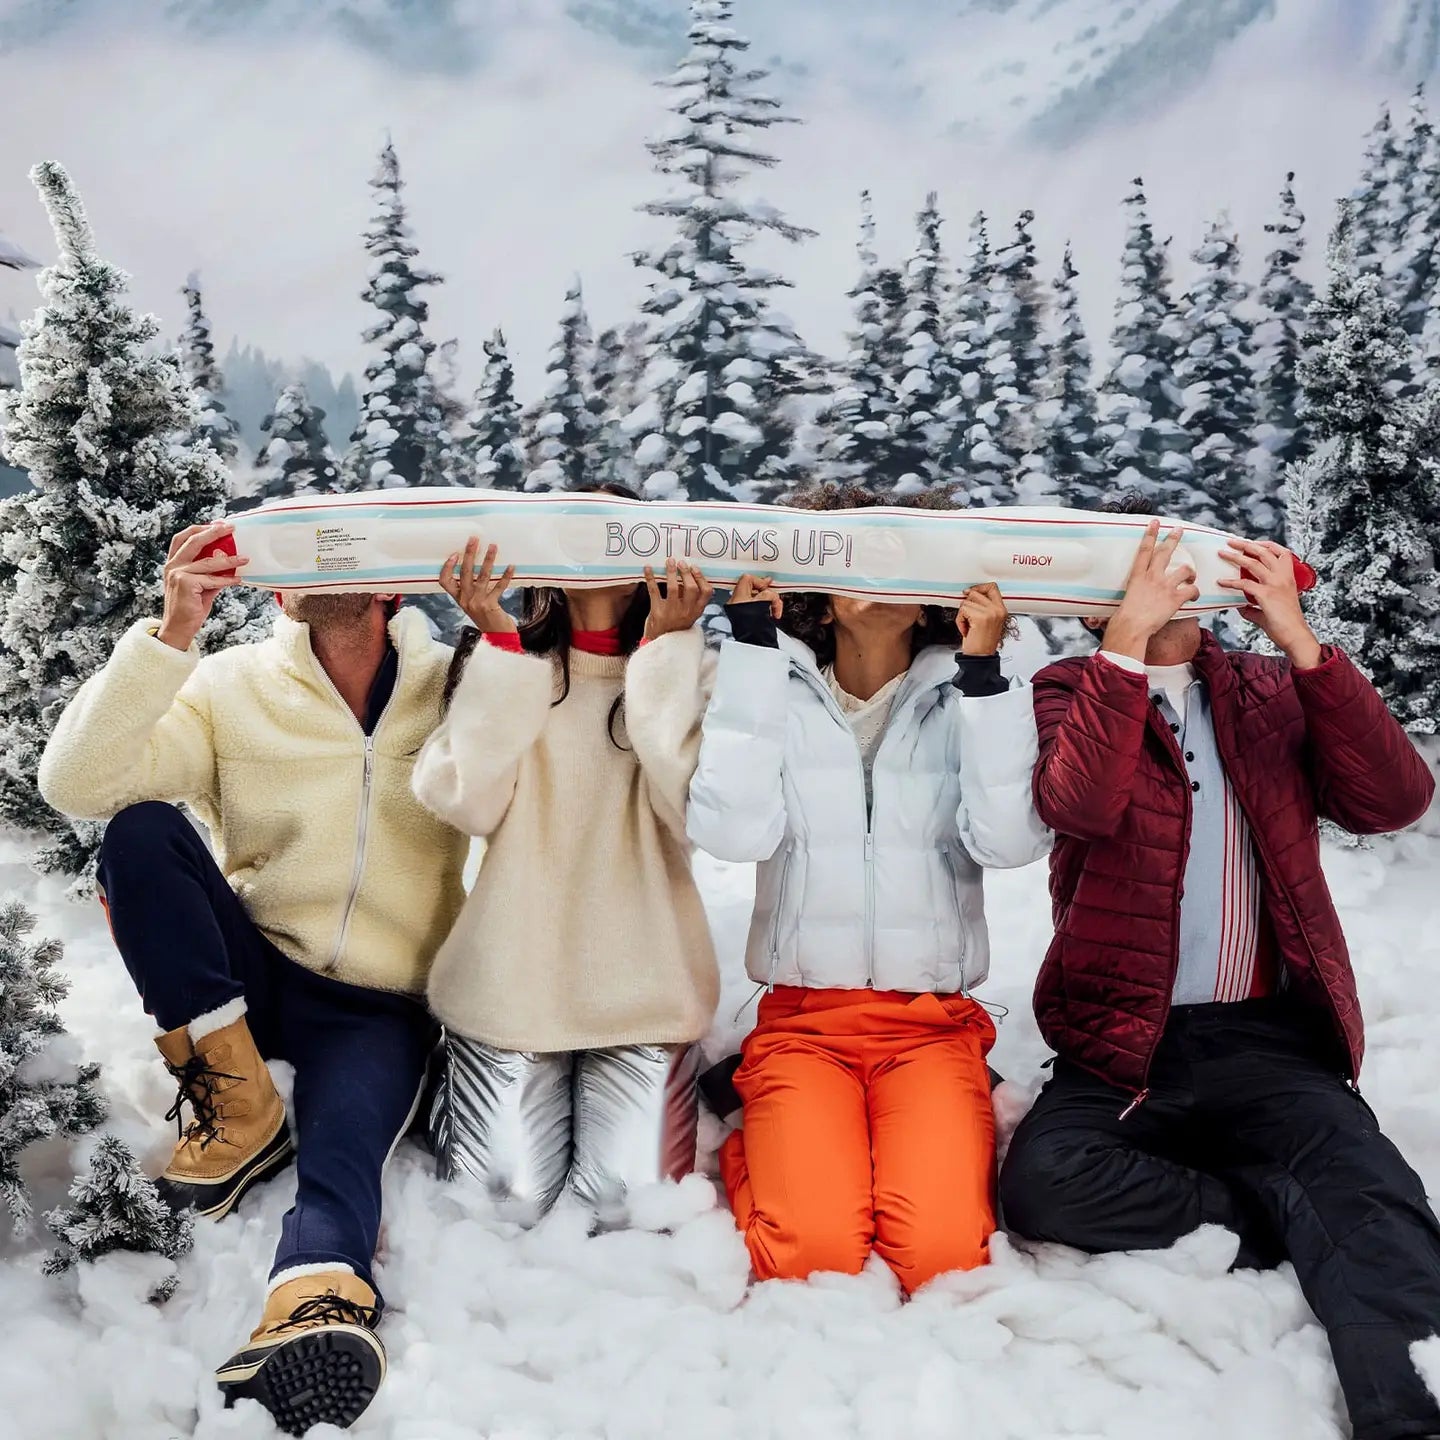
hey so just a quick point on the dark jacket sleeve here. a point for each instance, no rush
(1368, 777)
(1091, 734)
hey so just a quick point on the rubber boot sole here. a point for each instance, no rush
(214, 1200)
(325, 1376)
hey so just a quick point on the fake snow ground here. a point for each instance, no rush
(551, 1335)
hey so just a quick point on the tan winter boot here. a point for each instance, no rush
(237, 1132)
(314, 1358)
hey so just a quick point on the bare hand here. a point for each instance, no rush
(982, 620)
(191, 584)
(475, 590)
(751, 588)
(1153, 593)
(687, 593)
(1267, 580)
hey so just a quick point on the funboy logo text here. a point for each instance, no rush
(739, 544)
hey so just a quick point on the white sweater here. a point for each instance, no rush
(584, 929)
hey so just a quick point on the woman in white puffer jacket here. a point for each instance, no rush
(872, 773)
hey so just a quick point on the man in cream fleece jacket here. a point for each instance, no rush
(307, 936)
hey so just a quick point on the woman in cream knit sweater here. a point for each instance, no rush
(581, 970)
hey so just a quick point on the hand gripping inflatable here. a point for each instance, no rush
(1046, 561)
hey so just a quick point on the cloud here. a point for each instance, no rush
(248, 159)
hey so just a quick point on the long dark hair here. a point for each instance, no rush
(546, 629)
(807, 614)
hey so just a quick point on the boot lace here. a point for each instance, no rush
(331, 1308)
(197, 1085)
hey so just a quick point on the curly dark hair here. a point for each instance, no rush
(545, 627)
(807, 613)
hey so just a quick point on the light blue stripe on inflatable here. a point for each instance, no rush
(406, 573)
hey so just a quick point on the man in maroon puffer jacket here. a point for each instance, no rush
(1198, 992)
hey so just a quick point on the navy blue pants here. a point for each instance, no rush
(360, 1055)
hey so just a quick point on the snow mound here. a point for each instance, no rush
(554, 1334)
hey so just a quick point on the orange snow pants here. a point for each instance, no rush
(867, 1126)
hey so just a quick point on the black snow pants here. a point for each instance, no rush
(1248, 1125)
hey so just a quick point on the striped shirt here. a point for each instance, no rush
(1226, 952)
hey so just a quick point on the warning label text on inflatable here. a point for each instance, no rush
(337, 548)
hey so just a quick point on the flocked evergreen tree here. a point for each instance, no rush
(38, 1097)
(94, 423)
(1376, 213)
(1281, 437)
(1069, 424)
(925, 382)
(1410, 266)
(115, 1206)
(615, 376)
(403, 436)
(1213, 371)
(1015, 362)
(1139, 403)
(492, 452)
(296, 458)
(971, 413)
(722, 358)
(1378, 489)
(563, 421)
(859, 445)
(198, 365)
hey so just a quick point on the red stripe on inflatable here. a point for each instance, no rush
(225, 545)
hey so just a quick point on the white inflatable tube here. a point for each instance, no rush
(1046, 561)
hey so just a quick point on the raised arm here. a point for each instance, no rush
(466, 771)
(1367, 775)
(737, 798)
(137, 730)
(996, 732)
(1088, 747)
(1090, 732)
(997, 819)
(667, 684)
(140, 728)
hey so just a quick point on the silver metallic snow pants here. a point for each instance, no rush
(607, 1121)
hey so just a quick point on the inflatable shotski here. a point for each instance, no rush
(1046, 561)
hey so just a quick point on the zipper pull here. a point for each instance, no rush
(745, 1003)
(369, 757)
(1135, 1104)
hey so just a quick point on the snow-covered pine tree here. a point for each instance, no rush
(925, 383)
(39, 1098)
(114, 1206)
(562, 422)
(1139, 402)
(296, 458)
(492, 454)
(1376, 213)
(721, 353)
(197, 363)
(1378, 488)
(1213, 370)
(403, 435)
(971, 412)
(859, 444)
(1069, 423)
(12, 257)
(94, 423)
(1412, 270)
(1285, 296)
(1015, 361)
